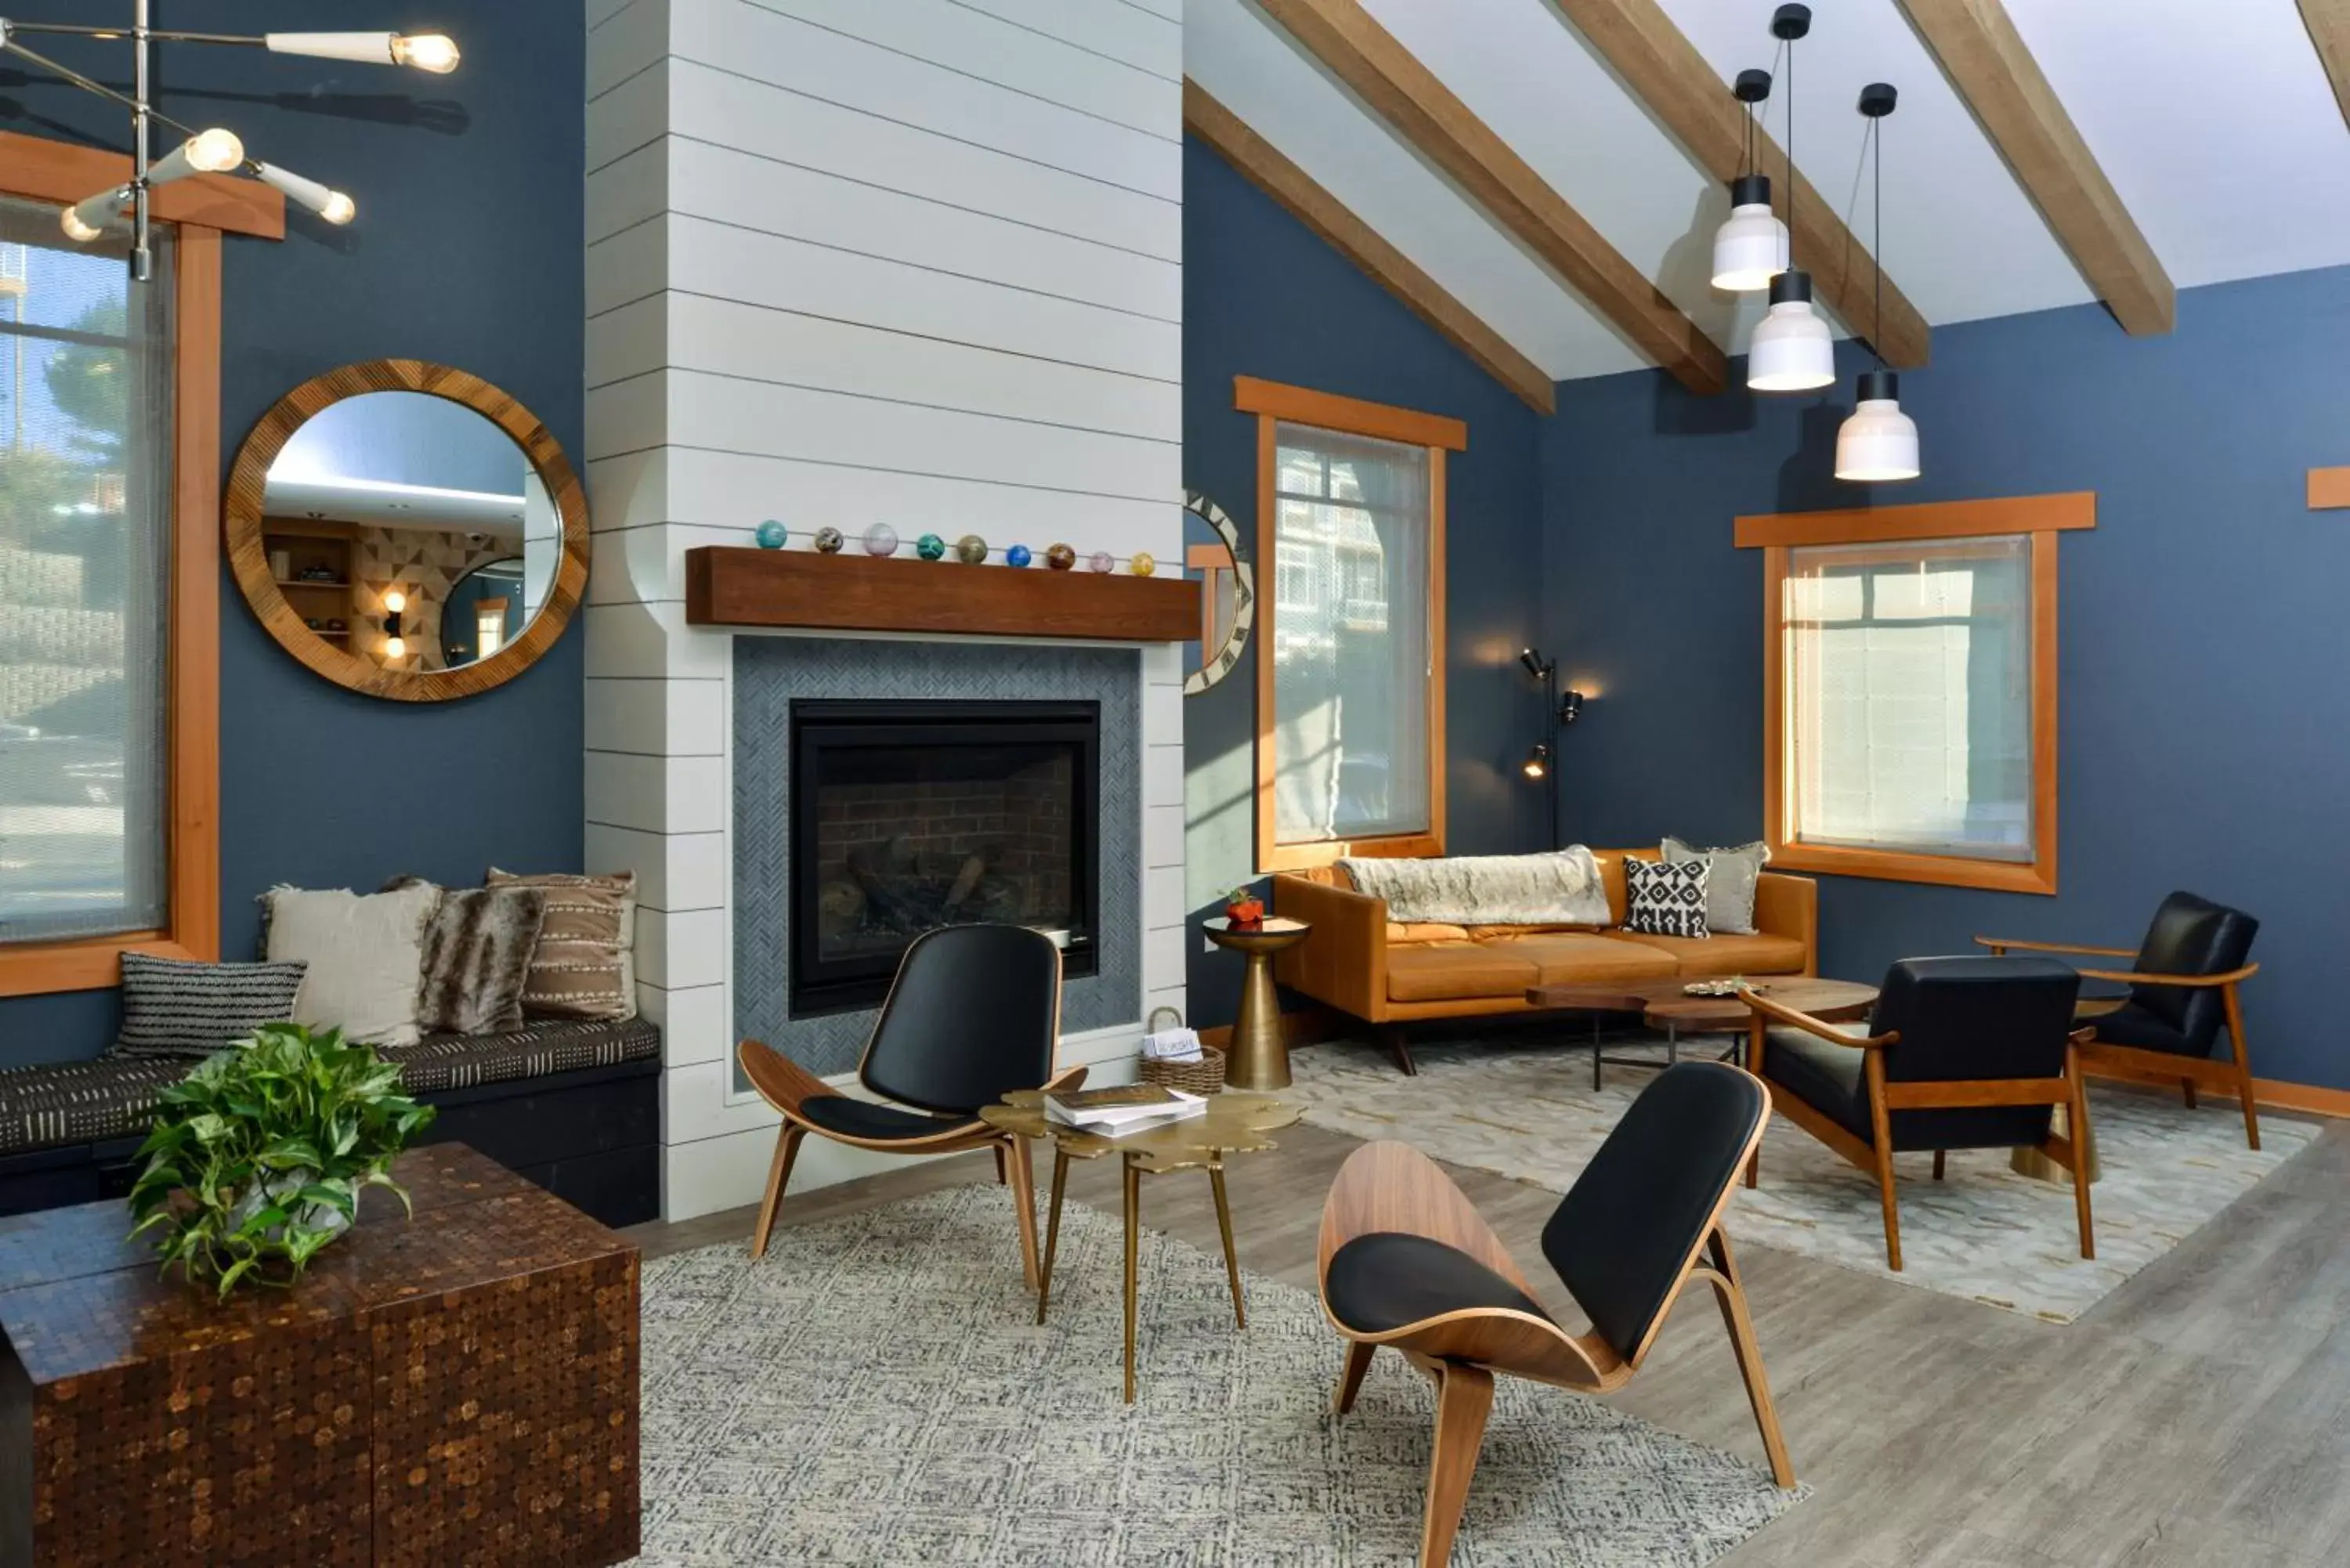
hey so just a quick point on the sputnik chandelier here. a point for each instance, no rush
(214, 151)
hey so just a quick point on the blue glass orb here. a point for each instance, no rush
(1017, 556)
(771, 535)
(881, 540)
(929, 546)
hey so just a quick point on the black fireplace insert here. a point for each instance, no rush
(909, 815)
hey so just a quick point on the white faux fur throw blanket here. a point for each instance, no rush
(1557, 889)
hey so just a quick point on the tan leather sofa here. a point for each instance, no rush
(1387, 975)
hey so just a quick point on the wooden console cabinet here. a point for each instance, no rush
(458, 1389)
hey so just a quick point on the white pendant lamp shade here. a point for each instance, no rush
(213, 151)
(1878, 444)
(332, 205)
(89, 218)
(1750, 249)
(1793, 351)
(431, 52)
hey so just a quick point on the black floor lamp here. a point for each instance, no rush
(1542, 762)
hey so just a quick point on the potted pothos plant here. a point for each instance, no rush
(258, 1156)
(1243, 907)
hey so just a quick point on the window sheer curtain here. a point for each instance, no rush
(1910, 708)
(1351, 655)
(85, 566)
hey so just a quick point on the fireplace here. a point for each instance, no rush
(909, 815)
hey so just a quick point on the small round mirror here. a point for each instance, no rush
(407, 530)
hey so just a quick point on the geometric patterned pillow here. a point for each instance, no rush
(1661, 900)
(181, 1007)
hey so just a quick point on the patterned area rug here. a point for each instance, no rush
(875, 1391)
(1984, 1233)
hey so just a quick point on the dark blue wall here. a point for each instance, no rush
(2205, 674)
(1263, 296)
(467, 249)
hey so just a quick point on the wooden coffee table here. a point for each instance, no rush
(1664, 1007)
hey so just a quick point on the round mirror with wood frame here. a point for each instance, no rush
(267, 536)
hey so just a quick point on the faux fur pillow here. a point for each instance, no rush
(1562, 888)
(477, 953)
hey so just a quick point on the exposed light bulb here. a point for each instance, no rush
(87, 219)
(1878, 443)
(329, 204)
(1750, 249)
(395, 648)
(434, 52)
(1537, 763)
(394, 601)
(1793, 349)
(213, 151)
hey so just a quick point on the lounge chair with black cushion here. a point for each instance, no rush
(2182, 984)
(1960, 1052)
(1407, 1263)
(974, 1014)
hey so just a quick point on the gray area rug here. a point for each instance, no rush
(1984, 1233)
(875, 1391)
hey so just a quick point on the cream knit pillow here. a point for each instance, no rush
(364, 955)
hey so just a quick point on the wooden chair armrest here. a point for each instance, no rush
(1064, 1081)
(1391, 1186)
(1343, 961)
(2131, 977)
(1780, 1013)
(781, 1082)
(2001, 944)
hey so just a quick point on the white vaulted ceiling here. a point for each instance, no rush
(2216, 125)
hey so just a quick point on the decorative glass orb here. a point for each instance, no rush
(929, 546)
(971, 549)
(881, 540)
(829, 541)
(1060, 558)
(771, 535)
(1142, 563)
(1101, 561)
(1017, 556)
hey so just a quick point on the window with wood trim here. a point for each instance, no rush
(1910, 689)
(110, 461)
(1350, 644)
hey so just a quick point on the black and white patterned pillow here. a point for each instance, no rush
(1662, 900)
(179, 1007)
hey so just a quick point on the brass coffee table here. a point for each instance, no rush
(1232, 1123)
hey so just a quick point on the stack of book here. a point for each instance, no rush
(1123, 1112)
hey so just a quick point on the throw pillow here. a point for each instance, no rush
(184, 1007)
(1562, 888)
(1729, 894)
(364, 954)
(584, 965)
(477, 953)
(1665, 900)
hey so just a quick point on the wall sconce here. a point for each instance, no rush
(394, 603)
(1542, 764)
(1537, 763)
(1570, 707)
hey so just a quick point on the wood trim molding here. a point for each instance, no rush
(2328, 22)
(60, 172)
(2329, 489)
(1929, 520)
(248, 559)
(734, 585)
(1263, 165)
(1428, 115)
(1352, 415)
(1270, 398)
(1665, 72)
(1994, 70)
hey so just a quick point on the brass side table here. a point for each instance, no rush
(1232, 1123)
(1258, 1058)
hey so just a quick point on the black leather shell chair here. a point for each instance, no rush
(1960, 1052)
(2182, 987)
(1406, 1262)
(974, 1014)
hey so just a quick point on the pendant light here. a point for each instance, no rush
(1792, 350)
(1878, 444)
(1750, 249)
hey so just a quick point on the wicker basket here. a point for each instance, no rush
(1204, 1077)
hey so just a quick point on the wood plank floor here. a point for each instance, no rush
(2199, 1415)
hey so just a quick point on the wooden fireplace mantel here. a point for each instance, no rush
(735, 586)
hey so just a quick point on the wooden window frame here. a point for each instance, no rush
(1273, 404)
(203, 209)
(2041, 518)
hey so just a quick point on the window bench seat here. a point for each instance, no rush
(573, 1107)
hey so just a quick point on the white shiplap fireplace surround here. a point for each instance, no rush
(913, 262)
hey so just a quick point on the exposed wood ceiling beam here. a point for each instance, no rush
(1987, 61)
(1264, 167)
(2328, 22)
(1664, 71)
(1424, 113)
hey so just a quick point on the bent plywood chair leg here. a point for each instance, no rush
(1464, 1396)
(779, 1175)
(1729, 1292)
(1350, 1380)
(1003, 1176)
(2243, 1066)
(2077, 1136)
(1023, 1204)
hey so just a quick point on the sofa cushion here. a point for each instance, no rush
(1424, 931)
(1568, 958)
(1448, 971)
(1712, 958)
(1831, 1079)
